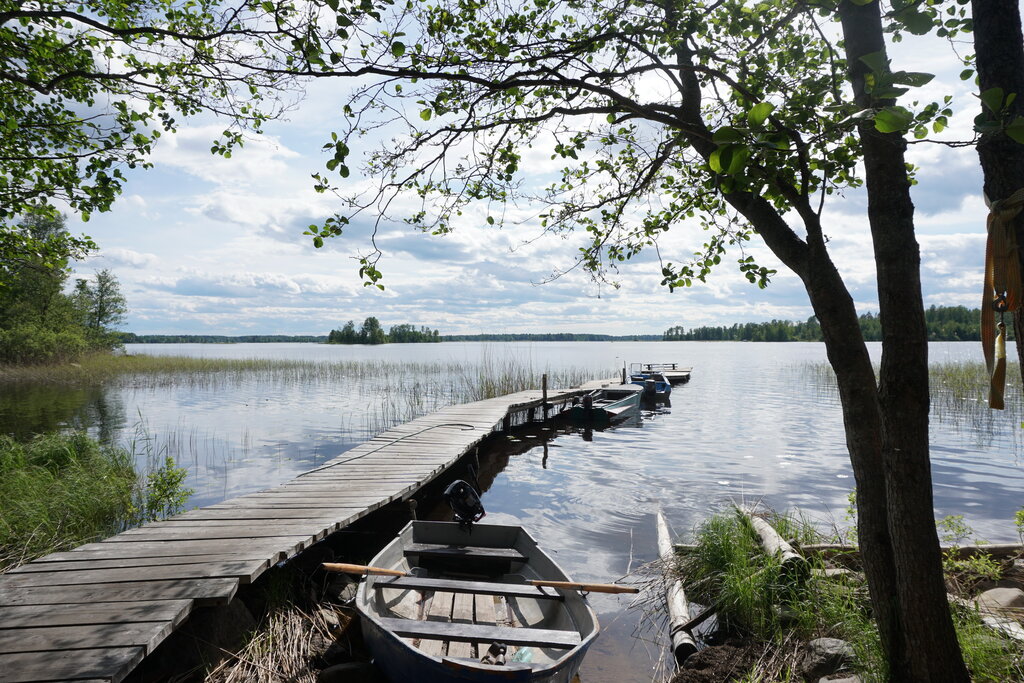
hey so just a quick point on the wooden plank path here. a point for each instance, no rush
(94, 613)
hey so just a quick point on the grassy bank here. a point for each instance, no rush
(767, 616)
(59, 491)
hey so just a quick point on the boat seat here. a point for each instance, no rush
(509, 590)
(469, 552)
(479, 633)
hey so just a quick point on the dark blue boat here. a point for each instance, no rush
(656, 385)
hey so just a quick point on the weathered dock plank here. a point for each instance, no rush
(120, 597)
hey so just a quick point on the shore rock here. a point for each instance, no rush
(1000, 598)
(826, 656)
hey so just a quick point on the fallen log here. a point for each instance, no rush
(683, 644)
(960, 552)
(793, 563)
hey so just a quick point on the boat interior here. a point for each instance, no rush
(470, 601)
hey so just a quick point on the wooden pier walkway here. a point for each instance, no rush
(93, 613)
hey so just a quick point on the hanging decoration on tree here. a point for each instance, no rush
(1002, 289)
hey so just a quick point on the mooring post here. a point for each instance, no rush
(623, 373)
(544, 395)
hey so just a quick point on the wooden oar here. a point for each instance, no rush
(568, 585)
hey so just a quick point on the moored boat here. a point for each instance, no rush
(461, 607)
(655, 385)
(606, 405)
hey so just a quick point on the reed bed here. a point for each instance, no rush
(448, 380)
(959, 392)
(58, 491)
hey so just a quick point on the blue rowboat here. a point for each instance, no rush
(463, 610)
(656, 386)
(606, 405)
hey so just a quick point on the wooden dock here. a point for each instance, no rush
(93, 613)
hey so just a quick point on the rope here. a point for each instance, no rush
(1002, 288)
(465, 428)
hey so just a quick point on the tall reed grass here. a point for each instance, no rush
(448, 381)
(58, 491)
(958, 391)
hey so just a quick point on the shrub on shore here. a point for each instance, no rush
(60, 490)
(758, 604)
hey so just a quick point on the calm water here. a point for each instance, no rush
(753, 424)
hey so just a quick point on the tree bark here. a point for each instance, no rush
(999, 49)
(929, 651)
(886, 423)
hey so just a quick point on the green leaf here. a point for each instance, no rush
(876, 61)
(397, 49)
(318, 241)
(916, 22)
(610, 118)
(726, 135)
(893, 120)
(502, 50)
(914, 79)
(993, 99)
(966, 73)
(759, 113)
(1015, 130)
(426, 114)
(490, 220)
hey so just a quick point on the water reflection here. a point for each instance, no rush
(756, 422)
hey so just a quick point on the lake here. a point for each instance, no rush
(758, 422)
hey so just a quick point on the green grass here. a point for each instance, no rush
(58, 491)
(753, 598)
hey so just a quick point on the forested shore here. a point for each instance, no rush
(945, 323)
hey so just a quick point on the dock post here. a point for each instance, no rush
(544, 395)
(623, 373)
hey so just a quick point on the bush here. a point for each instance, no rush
(60, 490)
(30, 343)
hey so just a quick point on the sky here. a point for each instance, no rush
(207, 245)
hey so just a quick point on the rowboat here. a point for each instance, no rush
(656, 386)
(606, 405)
(459, 605)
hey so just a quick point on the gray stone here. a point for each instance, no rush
(341, 588)
(826, 656)
(329, 617)
(841, 678)
(352, 672)
(1000, 598)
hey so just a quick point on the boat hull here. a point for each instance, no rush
(564, 611)
(608, 406)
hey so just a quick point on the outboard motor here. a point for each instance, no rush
(465, 503)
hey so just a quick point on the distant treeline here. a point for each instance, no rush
(372, 333)
(945, 323)
(130, 338)
(554, 336)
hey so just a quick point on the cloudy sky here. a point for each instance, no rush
(208, 245)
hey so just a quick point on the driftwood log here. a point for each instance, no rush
(794, 566)
(683, 644)
(960, 552)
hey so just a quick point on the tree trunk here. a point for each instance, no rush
(999, 47)
(929, 651)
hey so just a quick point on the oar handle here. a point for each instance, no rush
(568, 585)
(588, 587)
(361, 569)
